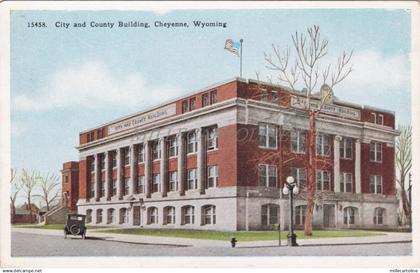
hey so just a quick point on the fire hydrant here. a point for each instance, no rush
(233, 241)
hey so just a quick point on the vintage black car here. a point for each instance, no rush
(75, 225)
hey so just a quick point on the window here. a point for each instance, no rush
(92, 164)
(140, 184)
(99, 133)
(209, 215)
(212, 177)
(322, 144)
(192, 142)
(123, 216)
(213, 97)
(126, 185)
(173, 146)
(102, 161)
(375, 184)
(300, 176)
(274, 97)
(205, 100)
(267, 136)
(212, 138)
(188, 215)
(114, 187)
(349, 215)
(346, 148)
(375, 151)
(322, 180)
(141, 153)
(378, 217)
(66, 179)
(126, 156)
(153, 215)
(98, 216)
(114, 159)
(192, 179)
(173, 181)
(300, 212)
(346, 182)
(102, 188)
(156, 183)
(269, 214)
(156, 150)
(192, 104)
(373, 117)
(111, 216)
(184, 106)
(298, 141)
(264, 95)
(268, 175)
(92, 189)
(380, 119)
(88, 216)
(170, 215)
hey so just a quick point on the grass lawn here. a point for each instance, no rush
(241, 235)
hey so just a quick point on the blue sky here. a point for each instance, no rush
(64, 81)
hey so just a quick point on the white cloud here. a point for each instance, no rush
(93, 85)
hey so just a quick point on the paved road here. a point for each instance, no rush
(45, 245)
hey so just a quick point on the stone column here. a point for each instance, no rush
(147, 168)
(181, 163)
(133, 169)
(357, 168)
(200, 160)
(108, 174)
(120, 172)
(97, 176)
(163, 167)
(337, 140)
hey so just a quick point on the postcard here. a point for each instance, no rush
(141, 134)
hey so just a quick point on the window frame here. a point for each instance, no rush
(346, 144)
(156, 183)
(209, 215)
(322, 143)
(188, 213)
(184, 106)
(191, 179)
(344, 182)
(212, 176)
(267, 215)
(172, 181)
(300, 174)
(268, 137)
(193, 141)
(213, 97)
(212, 141)
(323, 176)
(375, 184)
(267, 175)
(299, 138)
(192, 104)
(376, 152)
(141, 184)
(205, 100)
(173, 146)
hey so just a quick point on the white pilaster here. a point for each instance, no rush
(337, 140)
(163, 167)
(120, 172)
(107, 176)
(147, 168)
(200, 160)
(181, 163)
(357, 168)
(133, 169)
(97, 176)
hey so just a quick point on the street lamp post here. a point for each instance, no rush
(291, 188)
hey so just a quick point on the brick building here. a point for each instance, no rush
(217, 159)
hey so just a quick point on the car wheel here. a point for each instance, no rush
(75, 230)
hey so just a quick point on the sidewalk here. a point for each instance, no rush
(389, 237)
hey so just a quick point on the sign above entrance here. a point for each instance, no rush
(143, 119)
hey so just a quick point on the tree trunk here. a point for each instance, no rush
(311, 175)
(13, 210)
(30, 209)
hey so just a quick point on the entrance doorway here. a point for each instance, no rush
(329, 215)
(136, 215)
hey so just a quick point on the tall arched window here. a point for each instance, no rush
(111, 216)
(123, 216)
(99, 216)
(209, 215)
(88, 216)
(349, 215)
(379, 216)
(153, 215)
(269, 214)
(169, 215)
(300, 212)
(187, 215)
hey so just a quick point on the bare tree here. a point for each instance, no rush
(309, 49)
(403, 165)
(16, 186)
(48, 184)
(29, 182)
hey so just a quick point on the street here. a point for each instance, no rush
(45, 245)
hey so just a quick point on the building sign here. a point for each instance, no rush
(341, 111)
(143, 119)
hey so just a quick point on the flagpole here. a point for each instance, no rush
(240, 73)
